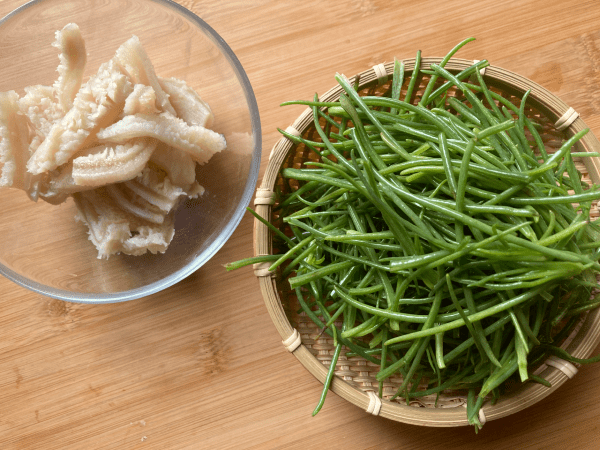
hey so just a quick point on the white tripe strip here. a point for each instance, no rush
(106, 164)
(14, 142)
(187, 103)
(199, 142)
(96, 105)
(72, 63)
(133, 59)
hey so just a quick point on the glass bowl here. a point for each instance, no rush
(42, 247)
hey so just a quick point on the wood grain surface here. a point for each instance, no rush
(200, 365)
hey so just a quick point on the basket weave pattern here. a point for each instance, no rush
(357, 373)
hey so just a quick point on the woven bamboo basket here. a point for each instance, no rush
(355, 377)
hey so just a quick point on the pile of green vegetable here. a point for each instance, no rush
(436, 236)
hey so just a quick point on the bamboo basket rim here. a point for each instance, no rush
(583, 340)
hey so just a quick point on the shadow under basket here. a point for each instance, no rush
(355, 377)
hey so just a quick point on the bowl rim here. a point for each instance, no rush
(226, 231)
(579, 344)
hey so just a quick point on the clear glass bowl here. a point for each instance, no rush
(42, 247)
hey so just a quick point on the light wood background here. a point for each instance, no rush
(200, 365)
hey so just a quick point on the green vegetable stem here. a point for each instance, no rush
(436, 235)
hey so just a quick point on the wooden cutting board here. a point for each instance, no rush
(200, 365)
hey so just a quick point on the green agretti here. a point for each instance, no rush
(436, 237)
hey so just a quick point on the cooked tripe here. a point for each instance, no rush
(106, 164)
(132, 59)
(199, 142)
(187, 103)
(41, 108)
(142, 100)
(72, 63)
(124, 145)
(14, 142)
(113, 230)
(97, 104)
